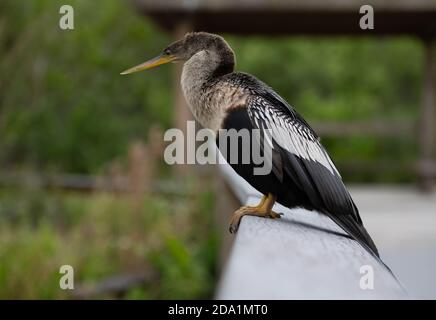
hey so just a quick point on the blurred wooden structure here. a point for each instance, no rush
(114, 287)
(137, 178)
(316, 18)
(293, 17)
(117, 181)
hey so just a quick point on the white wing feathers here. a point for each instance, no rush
(289, 133)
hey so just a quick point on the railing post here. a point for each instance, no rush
(182, 114)
(427, 122)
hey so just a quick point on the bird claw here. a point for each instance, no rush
(234, 222)
(233, 228)
(254, 211)
(275, 215)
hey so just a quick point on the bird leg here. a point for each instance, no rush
(263, 209)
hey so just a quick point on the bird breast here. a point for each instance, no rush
(209, 97)
(211, 100)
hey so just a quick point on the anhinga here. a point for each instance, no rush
(302, 175)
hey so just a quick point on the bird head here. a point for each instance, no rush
(183, 49)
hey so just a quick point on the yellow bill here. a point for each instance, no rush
(161, 59)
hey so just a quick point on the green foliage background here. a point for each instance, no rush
(63, 105)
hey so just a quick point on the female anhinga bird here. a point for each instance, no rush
(302, 175)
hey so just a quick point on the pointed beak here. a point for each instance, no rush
(160, 59)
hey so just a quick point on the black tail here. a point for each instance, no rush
(358, 232)
(355, 229)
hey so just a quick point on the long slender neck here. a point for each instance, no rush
(199, 74)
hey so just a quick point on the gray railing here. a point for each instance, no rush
(303, 255)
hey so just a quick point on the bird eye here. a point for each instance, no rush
(167, 51)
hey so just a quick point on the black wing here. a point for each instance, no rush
(303, 158)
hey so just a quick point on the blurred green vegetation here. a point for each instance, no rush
(64, 108)
(102, 236)
(347, 80)
(63, 104)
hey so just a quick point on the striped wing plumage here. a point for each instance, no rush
(298, 153)
(290, 134)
